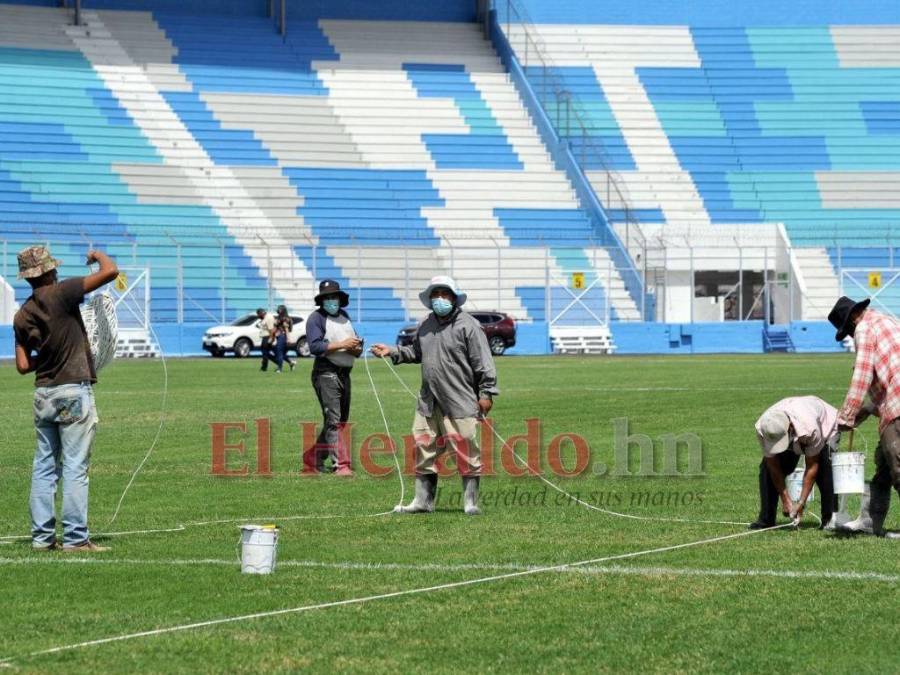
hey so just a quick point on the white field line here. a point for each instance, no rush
(462, 567)
(383, 596)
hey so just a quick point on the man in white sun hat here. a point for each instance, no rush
(459, 382)
(795, 426)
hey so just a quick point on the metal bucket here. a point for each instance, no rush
(849, 472)
(259, 548)
(795, 486)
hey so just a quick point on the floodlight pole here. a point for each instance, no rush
(283, 21)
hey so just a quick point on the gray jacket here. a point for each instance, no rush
(457, 365)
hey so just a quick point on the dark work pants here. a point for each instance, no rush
(887, 471)
(887, 458)
(267, 354)
(769, 497)
(332, 386)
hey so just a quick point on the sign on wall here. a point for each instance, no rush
(577, 280)
(874, 279)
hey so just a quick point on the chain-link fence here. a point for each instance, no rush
(578, 284)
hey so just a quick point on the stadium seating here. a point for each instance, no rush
(376, 152)
(751, 120)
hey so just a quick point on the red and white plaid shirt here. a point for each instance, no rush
(877, 369)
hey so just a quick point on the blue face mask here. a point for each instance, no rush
(331, 306)
(441, 306)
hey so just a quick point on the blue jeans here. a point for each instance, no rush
(280, 351)
(65, 418)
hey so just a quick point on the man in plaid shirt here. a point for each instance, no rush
(876, 374)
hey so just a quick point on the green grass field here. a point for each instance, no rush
(798, 600)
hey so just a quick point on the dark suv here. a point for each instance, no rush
(500, 329)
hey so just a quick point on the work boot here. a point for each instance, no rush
(470, 495)
(84, 547)
(426, 487)
(760, 524)
(839, 518)
(863, 524)
(341, 457)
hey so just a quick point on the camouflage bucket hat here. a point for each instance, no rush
(35, 261)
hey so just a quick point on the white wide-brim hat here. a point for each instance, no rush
(773, 431)
(442, 282)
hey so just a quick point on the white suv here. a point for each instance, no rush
(242, 336)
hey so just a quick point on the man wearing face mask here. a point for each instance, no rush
(334, 343)
(459, 382)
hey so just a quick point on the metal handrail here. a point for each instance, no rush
(563, 94)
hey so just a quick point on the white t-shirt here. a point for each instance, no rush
(339, 328)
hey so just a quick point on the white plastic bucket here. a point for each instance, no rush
(259, 549)
(849, 469)
(795, 486)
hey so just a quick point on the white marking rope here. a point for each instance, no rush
(201, 523)
(383, 596)
(184, 526)
(386, 428)
(572, 497)
(159, 430)
(415, 591)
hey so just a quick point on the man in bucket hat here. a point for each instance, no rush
(876, 373)
(333, 341)
(793, 426)
(459, 382)
(52, 343)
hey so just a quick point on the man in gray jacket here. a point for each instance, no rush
(459, 382)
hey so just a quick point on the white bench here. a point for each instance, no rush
(582, 340)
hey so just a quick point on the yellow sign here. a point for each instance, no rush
(577, 280)
(874, 279)
(121, 282)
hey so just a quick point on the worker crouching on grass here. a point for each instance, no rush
(52, 343)
(459, 382)
(876, 374)
(333, 341)
(800, 425)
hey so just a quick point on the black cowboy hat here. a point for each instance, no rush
(329, 286)
(840, 314)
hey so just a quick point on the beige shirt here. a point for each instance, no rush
(266, 325)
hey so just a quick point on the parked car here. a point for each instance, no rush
(500, 329)
(242, 337)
